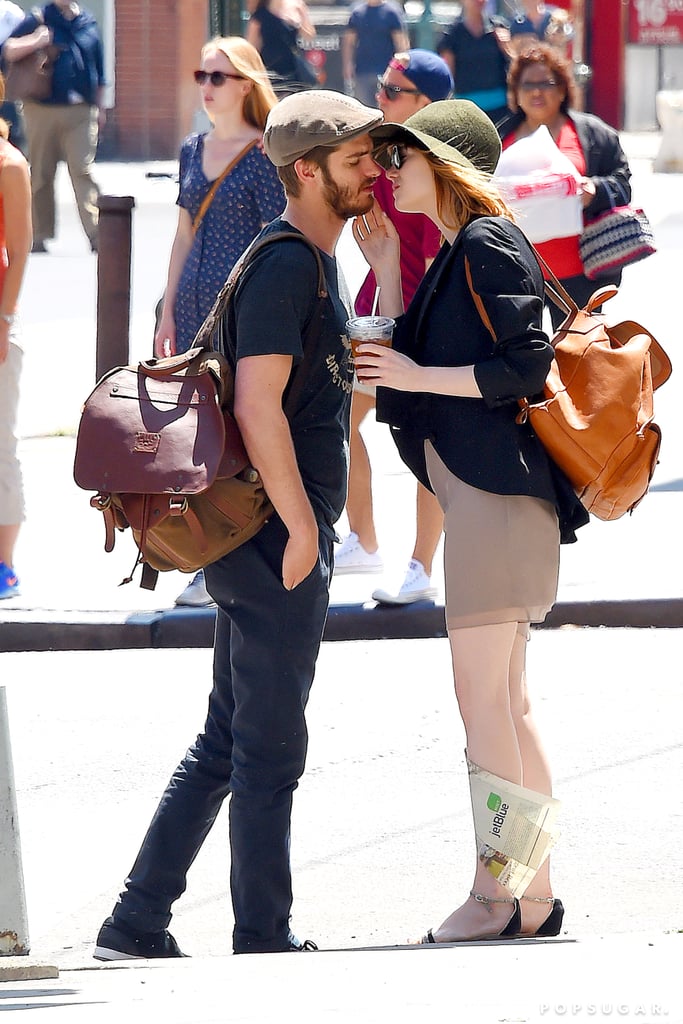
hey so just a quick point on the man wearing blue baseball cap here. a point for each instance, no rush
(412, 80)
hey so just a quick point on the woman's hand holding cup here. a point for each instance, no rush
(376, 330)
(378, 364)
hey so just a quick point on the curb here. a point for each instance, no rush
(181, 627)
(13, 969)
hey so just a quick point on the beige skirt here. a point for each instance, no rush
(501, 552)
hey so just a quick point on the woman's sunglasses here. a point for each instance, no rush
(397, 157)
(392, 92)
(544, 86)
(217, 78)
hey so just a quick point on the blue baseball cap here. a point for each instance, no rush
(427, 71)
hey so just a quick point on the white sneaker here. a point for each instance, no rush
(195, 594)
(351, 556)
(417, 586)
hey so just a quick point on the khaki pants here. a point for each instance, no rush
(54, 133)
(11, 484)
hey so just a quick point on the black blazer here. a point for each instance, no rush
(479, 440)
(606, 163)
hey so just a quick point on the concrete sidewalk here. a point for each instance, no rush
(625, 573)
(381, 839)
(627, 978)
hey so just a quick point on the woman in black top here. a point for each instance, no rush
(274, 28)
(505, 506)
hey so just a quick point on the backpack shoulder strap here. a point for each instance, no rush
(205, 335)
(476, 297)
(553, 287)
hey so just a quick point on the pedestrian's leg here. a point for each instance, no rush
(187, 810)
(11, 482)
(275, 643)
(359, 508)
(80, 146)
(429, 518)
(481, 664)
(536, 773)
(43, 128)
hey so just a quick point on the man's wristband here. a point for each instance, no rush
(9, 318)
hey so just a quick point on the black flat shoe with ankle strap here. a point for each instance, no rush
(510, 930)
(553, 922)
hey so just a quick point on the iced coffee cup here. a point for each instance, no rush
(361, 330)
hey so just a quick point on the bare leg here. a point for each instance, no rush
(359, 501)
(8, 538)
(429, 527)
(481, 664)
(12, 500)
(489, 663)
(535, 771)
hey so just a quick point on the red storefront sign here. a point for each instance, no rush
(656, 22)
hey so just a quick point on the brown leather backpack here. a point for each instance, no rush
(158, 442)
(595, 419)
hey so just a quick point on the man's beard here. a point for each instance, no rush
(342, 200)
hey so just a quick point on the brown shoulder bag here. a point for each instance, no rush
(31, 77)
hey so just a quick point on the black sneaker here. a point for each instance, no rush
(119, 942)
(297, 946)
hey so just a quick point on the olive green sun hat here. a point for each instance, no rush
(455, 131)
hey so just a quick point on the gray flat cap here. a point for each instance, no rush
(317, 117)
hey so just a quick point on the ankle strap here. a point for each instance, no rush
(539, 899)
(491, 899)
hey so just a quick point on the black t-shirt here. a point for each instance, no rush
(279, 42)
(274, 302)
(480, 64)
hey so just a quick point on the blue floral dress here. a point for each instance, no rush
(250, 196)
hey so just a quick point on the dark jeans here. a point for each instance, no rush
(253, 746)
(580, 288)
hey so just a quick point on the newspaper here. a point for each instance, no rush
(515, 828)
(542, 187)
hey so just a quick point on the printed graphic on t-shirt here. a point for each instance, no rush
(342, 373)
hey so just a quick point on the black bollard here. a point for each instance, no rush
(113, 282)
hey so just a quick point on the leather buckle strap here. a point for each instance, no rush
(102, 502)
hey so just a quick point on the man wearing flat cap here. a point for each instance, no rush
(272, 592)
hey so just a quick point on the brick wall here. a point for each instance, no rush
(157, 47)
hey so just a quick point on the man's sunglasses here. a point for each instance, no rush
(392, 92)
(217, 78)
